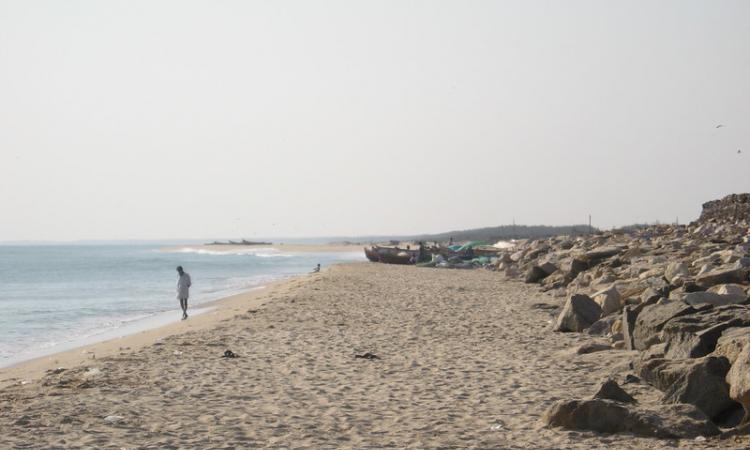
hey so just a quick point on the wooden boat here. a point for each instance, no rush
(390, 255)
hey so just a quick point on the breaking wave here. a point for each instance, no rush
(265, 252)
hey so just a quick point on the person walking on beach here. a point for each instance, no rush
(183, 290)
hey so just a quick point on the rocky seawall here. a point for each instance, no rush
(673, 299)
(732, 208)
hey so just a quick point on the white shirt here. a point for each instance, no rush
(183, 285)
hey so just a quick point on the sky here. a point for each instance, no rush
(217, 119)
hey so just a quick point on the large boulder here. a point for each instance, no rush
(700, 382)
(609, 416)
(694, 335)
(739, 381)
(650, 321)
(722, 276)
(578, 314)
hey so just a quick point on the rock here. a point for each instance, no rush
(711, 298)
(656, 272)
(554, 281)
(567, 244)
(604, 280)
(696, 334)
(114, 419)
(652, 318)
(729, 289)
(592, 347)
(22, 421)
(700, 382)
(610, 390)
(600, 253)
(548, 267)
(535, 274)
(511, 272)
(609, 300)
(650, 295)
(722, 276)
(578, 314)
(658, 284)
(731, 343)
(676, 269)
(705, 268)
(739, 381)
(602, 327)
(630, 378)
(655, 351)
(617, 326)
(609, 416)
(734, 293)
(577, 265)
(630, 314)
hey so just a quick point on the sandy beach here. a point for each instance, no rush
(466, 359)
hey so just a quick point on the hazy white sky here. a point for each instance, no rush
(155, 119)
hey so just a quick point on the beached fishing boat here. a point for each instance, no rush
(390, 255)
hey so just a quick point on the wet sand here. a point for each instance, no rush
(466, 360)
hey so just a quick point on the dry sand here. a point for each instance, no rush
(467, 361)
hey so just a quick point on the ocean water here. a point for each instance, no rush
(53, 297)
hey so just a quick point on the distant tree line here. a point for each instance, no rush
(507, 232)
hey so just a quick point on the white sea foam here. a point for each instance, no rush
(263, 252)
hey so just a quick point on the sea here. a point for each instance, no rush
(58, 297)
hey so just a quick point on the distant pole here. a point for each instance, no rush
(591, 230)
(514, 228)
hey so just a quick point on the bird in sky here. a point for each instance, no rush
(719, 126)
(739, 151)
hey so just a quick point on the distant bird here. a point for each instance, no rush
(719, 126)
(739, 151)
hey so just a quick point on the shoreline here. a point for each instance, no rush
(203, 316)
(463, 358)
